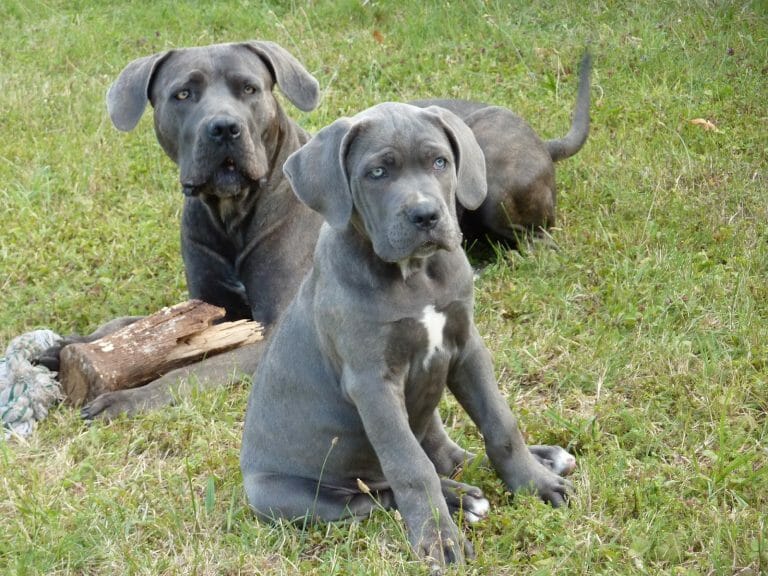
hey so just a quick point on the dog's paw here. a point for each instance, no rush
(553, 489)
(110, 405)
(442, 546)
(465, 499)
(555, 458)
(50, 358)
(130, 402)
(527, 474)
(475, 509)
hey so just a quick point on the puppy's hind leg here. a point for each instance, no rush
(447, 456)
(276, 496)
(465, 497)
(555, 458)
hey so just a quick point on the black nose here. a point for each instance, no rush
(223, 129)
(424, 215)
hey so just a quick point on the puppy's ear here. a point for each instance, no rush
(318, 174)
(298, 85)
(128, 95)
(472, 186)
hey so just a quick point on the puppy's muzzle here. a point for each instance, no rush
(424, 215)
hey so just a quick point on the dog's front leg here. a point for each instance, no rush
(474, 385)
(412, 477)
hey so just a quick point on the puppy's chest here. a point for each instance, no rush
(425, 343)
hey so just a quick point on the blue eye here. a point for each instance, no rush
(440, 163)
(377, 172)
(182, 94)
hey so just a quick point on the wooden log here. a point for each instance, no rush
(149, 348)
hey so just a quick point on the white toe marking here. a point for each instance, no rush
(481, 507)
(564, 463)
(434, 322)
(476, 509)
(471, 518)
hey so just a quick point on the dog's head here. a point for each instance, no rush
(394, 172)
(214, 111)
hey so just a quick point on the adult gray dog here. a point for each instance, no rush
(342, 414)
(244, 235)
(246, 239)
(522, 196)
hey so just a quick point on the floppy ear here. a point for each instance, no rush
(472, 186)
(299, 86)
(128, 95)
(318, 175)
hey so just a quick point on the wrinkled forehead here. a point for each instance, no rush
(397, 128)
(393, 118)
(213, 61)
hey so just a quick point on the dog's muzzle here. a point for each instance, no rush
(424, 215)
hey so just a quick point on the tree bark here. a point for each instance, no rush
(149, 348)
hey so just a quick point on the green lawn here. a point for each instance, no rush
(640, 344)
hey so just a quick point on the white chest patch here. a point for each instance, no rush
(434, 322)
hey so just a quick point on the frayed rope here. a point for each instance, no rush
(27, 390)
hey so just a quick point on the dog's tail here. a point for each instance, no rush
(573, 141)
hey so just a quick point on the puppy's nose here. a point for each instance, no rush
(424, 215)
(223, 129)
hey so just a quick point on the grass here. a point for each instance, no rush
(640, 344)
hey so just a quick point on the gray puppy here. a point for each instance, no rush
(342, 414)
(522, 196)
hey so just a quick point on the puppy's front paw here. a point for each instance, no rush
(552, 488)
(442, 544)
(444, 547)
(50, 358)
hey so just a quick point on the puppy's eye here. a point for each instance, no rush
(250, 89)
(440, 163)
(182, 94)
(376, 173)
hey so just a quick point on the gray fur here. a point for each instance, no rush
(342, 414)
(246, 239)
(522, 195)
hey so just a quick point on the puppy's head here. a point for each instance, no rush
(395, 172)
